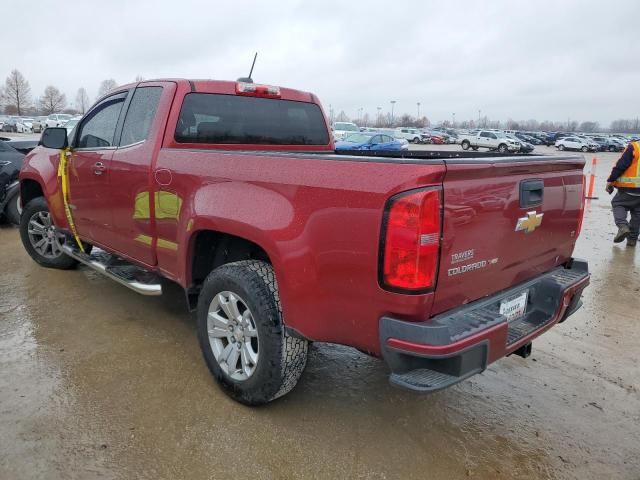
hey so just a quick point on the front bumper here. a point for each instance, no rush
(432, 355)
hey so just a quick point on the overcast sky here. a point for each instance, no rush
(510, 59)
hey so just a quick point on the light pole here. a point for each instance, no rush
(479, 118)
(378, 117)
(330, 113)
(418, 110)
(454, 120)
(393, 102)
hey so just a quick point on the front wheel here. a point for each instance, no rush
(585, 149)
(416, 140)
(560, 147)
(40, 237)
(502, 148)
(242, 334)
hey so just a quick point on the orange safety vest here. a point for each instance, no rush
(630, 178)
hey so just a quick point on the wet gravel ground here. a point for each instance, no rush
(98, 382)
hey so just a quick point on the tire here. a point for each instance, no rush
(561, 147)
(585, 149)
(465, 144)
(475, 149)
(612, 148)
(248, 286)
(502, 148)
(49, 255)
(12, 210)
(416, 140)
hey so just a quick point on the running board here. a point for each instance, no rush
(137, 279)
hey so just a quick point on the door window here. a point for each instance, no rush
(140, 115)
(99, 127)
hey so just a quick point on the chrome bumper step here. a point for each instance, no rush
(131, 276)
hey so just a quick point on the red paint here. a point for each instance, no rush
(319, 219)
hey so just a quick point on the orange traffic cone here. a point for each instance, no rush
(592, 179)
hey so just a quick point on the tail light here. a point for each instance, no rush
(583, 194)
(254, 90)
(411, 239)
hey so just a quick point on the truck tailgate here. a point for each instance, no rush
(505, 221)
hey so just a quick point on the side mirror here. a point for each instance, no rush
(55, 138)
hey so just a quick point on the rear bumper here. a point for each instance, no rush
(432, 355)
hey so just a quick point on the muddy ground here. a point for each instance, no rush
(98, 382)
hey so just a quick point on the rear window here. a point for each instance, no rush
(231, 119)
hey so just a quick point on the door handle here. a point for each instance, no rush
(99, 168)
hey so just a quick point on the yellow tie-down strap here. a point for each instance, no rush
(63, 173)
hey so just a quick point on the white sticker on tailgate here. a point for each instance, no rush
(514, 307)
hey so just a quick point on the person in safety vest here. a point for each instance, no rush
(625, 176)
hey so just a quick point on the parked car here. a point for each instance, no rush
(39, 124)
(25, 125)
(609, 144)
(437, 139)
(370, 141)
(57, 119)
(70, 125)
(412, 135)
(493, 140)
(342, 129)
(231, 190)
(527, 138)
(525, 147)
(10, 163)
(576, 143)
(11, 125)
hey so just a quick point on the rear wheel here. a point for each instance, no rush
(40, 237)
(612, 148)
(560, 147)
(242, 333)
(475, 149)
(465, 144)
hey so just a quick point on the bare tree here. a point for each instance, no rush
(106, 86)
(139, 78)
(342, 117)
(589, 127)
(82, 100)
(17, 92)
(52, 100)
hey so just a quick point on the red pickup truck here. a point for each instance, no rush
(438, 262)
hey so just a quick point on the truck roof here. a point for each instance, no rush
(226, 87)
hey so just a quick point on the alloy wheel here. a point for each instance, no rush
(44, 236)
(233, 335)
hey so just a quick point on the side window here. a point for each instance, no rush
(140, 115)
(376, 139)
(484, 134)
(99, 128)
(387, 139)
(493, 135)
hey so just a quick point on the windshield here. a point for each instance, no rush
(357, 138)
(346, 127)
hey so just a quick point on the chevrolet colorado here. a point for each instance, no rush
(438, 262)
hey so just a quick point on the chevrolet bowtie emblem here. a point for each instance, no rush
(530, 222)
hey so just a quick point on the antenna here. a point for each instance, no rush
(249, 79)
